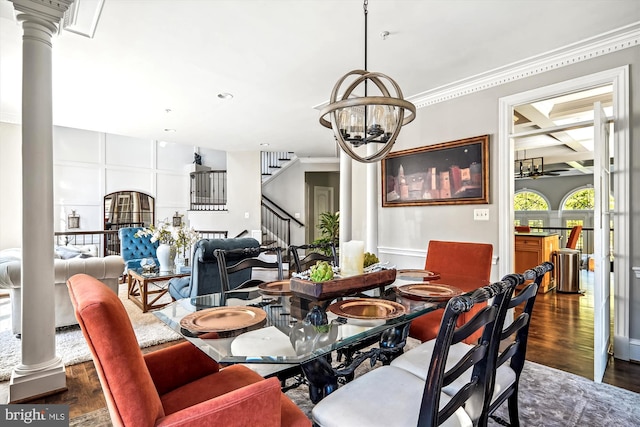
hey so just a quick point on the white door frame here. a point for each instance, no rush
(619, 77)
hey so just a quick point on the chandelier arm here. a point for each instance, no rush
(379, 155)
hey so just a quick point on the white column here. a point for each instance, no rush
(41, 371)
(345, 197)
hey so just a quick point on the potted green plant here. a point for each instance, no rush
(329, 226)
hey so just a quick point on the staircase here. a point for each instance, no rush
(276, 222)
(273, 162)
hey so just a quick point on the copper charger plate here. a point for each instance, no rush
(367, 309)
(281, 287)
(428, 291)
(417, 275)
(223, 319)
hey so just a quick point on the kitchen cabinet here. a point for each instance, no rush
(532, 249)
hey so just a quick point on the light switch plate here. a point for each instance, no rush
(481, 214)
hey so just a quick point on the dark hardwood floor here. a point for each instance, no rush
(561, 336)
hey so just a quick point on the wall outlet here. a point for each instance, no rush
(481, 214)
(246, 214)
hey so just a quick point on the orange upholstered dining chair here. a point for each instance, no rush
(468, 259)
(523, 229)
(572, 241)
(177, 385)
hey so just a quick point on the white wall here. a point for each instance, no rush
(287, 189)
(10, 186)
(244, 194)
(88, 165)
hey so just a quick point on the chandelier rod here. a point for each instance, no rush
(366, 14)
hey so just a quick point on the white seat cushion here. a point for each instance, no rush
(387, 396)
(417, 362)
(417, 359)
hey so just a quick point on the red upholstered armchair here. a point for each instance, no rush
(460, 259)
(178, 385)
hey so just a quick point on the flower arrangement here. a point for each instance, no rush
(163, 233)
(181, 237)
(184, 237)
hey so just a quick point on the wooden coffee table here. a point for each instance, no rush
(145, 289)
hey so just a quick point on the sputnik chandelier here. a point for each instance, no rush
(360, 121)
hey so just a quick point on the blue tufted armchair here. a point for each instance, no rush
(133, 249)
(205, 276)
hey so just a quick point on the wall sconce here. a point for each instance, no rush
(73, 220)
(177, 220)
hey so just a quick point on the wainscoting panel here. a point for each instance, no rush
(123, 179)
(75, 145)
(126, 151)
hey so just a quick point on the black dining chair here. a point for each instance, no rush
(304, 256)
(261, 270)
(254, 260)
(423, 402)
(510, 361)
(505, 376)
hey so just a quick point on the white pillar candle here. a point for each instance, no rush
(352, 258)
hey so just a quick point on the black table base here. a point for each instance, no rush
(323, 378)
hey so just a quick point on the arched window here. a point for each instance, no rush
(582, 199)
(528, 206)
(577, 209)
(529, 200)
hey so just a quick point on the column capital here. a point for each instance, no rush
(51, 11)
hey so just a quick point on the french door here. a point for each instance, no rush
(602, 237)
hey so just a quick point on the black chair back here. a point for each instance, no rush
(481, 358)
(249, 261)
(514, 337)
(312, 254)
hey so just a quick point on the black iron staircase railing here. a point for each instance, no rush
(208, 191)
(271, 161)
(276, 224)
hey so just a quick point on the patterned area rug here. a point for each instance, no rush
(71, 345)
(548, 398)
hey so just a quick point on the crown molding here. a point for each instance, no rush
(600, 45)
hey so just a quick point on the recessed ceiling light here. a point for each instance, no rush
(264, 144)
(169, 130)
(225, 95)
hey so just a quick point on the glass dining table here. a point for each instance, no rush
(266, 325)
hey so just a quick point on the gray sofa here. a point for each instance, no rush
(108, 270)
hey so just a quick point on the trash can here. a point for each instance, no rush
(567, 267)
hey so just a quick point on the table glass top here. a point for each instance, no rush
(236, 331)
(155, 274)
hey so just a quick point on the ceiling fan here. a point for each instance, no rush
(533, 168)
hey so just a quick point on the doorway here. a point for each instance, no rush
(126, 209)
(322, 195)
(618, 79)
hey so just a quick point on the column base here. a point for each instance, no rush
(32, 385)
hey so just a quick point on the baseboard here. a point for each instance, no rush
(634, 350)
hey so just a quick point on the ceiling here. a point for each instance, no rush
(160, 64)
(563, 151)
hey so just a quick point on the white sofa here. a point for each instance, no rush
(108, 270)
